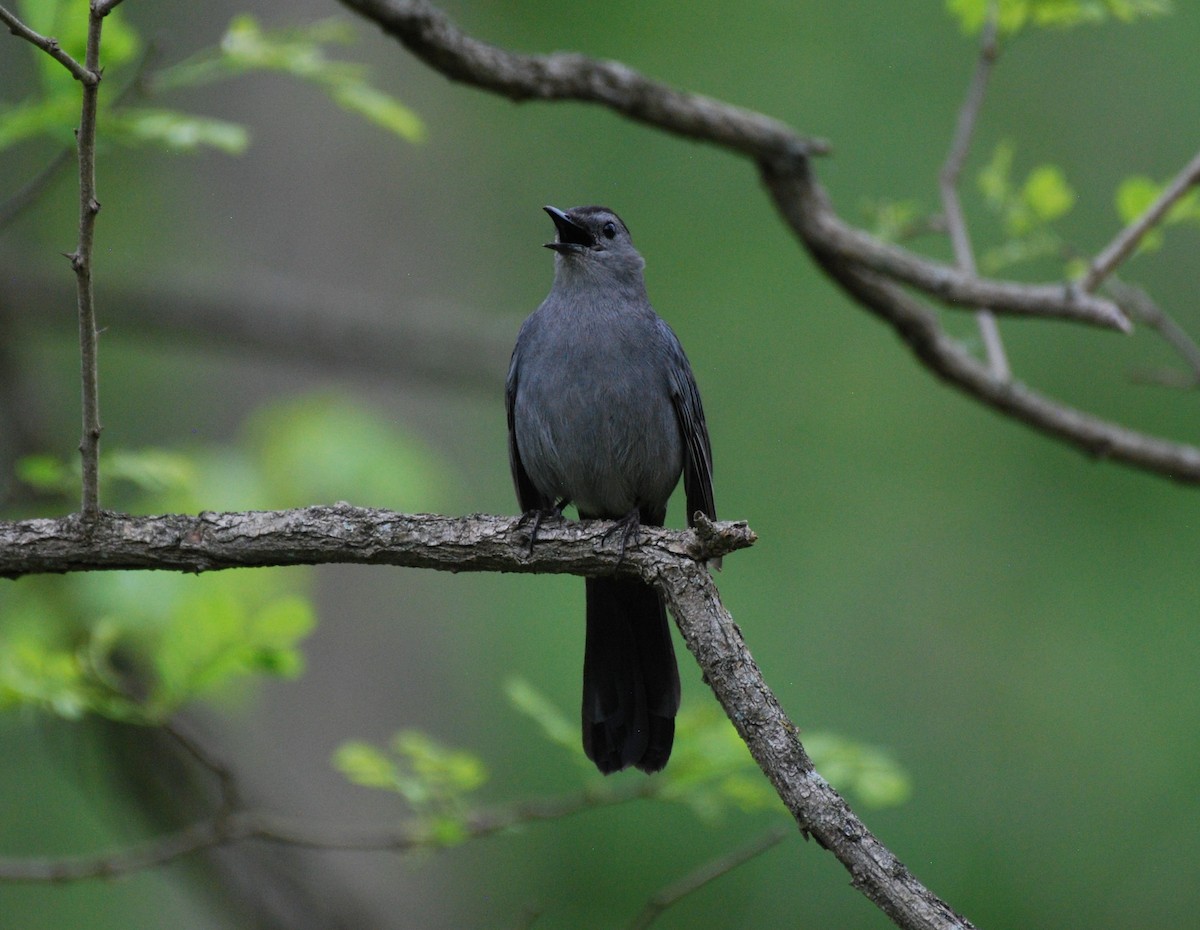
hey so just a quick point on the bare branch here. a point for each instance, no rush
(228, 827)
(430, 35)
(1128, 238)
(104, 7)
(86, 75)
(452, 347)
(341, 533)
(956, 223)
(702, 876)
(1142, 306)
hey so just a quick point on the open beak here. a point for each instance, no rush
(571, 236)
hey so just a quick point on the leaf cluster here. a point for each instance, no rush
(299, 52)
(1015, 15)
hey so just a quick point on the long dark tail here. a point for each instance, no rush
(630, 679)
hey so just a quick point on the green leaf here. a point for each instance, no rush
(47, 474)
(379, 108)
(53, 116)
(1016, 14)
(432, 778)
(995, 178)
(1037, 244)
(863, 771)
(67, 22)
(1026, 210)
(179, 132)
(891, 220)
(1135, 195)
(363, 764)
(1047, 194)
(298, 52)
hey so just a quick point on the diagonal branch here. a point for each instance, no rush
(1127, 240)
(50, 46)
(430, 35)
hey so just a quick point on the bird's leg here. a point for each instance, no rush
(628, 527)
(536, 516)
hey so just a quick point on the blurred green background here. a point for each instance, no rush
(1014, 623)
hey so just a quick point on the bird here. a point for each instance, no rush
(604, 414)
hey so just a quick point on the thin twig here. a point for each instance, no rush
(104, 7)
(1147, 311)
(226, 780)
(81, 261)
(228, 827)
(673, 893)
(956, 223)
(1126, 241)
(33, 189)
(81, 72)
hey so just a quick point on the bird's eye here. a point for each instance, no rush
(609, 230)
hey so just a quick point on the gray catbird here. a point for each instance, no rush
(603, 413)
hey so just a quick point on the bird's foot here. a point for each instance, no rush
(535, 518)
(628, 527)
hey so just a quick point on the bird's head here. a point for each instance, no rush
(594, 242)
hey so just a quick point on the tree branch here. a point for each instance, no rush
(665, 558)
(452, 347)
(346, 534)
(1142, 306)
(700, 877)
(227, 827)
(82, 73)
(918, 327)
(430, 35)
(956, 222)
(1126, 241)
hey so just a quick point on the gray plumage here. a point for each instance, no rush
(604, 414)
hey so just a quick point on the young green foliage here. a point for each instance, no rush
(1014, 15)
(137, 646)
(1026, 209)
(246, 47)
(711, 770)
(300, 53)
(434, 780)
(1137, 193)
